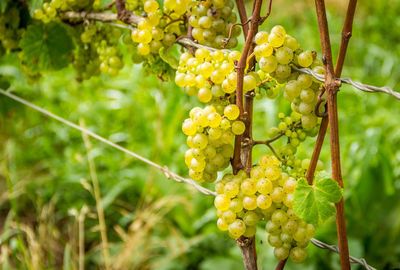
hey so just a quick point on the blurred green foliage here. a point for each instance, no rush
(44, 173)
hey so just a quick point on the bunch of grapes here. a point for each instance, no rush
(209, 75)
(267, 194)
(212, 22)
(98, 51)
(49, 10)
(158, 28)
(9, 29)
(276, 53)
(210, 134)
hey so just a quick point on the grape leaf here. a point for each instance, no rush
(315, 203)
(46, 47)
(168, 57)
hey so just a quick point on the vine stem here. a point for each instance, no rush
(346, 35)
(242, 157)
(332, 85)
(281, 264)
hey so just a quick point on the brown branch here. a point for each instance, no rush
(281, 264)
(346, 35)
(248, 247)
(268, 12)
(243, 16)
(317, 150)
(240, 69)
(331, 86)
(125, 15)
(242, 156)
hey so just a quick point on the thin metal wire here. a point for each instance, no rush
(360, 261)
(169, 174)
(164, 169)
(360, 86)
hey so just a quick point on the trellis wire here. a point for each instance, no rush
(335, 249)
(164, 169)
(360, 86)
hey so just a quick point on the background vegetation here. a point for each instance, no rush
(154, 223)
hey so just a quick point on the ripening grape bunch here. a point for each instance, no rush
(210, 134)
(50, 9)
(243, 202)
(158, 28)
(210, 75)
(99, 42)
(212, 23)
(277, 53)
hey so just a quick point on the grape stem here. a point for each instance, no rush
(281, 264)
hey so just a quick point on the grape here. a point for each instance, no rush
(237, 228)
(298, 254)
(238, 127)
(305, 59)
(222, 202)
(281, 253)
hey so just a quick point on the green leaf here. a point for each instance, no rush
(315, 204)
(46, 47)
(167, 56)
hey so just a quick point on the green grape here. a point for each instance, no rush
(222, 202)
(222, 224)
(237, 228)
(248, 187)
(238, 127)
(264, 201)
(249, 202)
(251, 218)
(281, 253)
(305, 59)
(231, 112)
(298, 254)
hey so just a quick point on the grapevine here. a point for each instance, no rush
(195, 44)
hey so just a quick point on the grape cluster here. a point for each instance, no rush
(243, 201)
(158, 28)
(210, 134)
(276, 53)
(49, 10)
(9, 29)
(209, 75)
(211, 23)
(97, 51)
